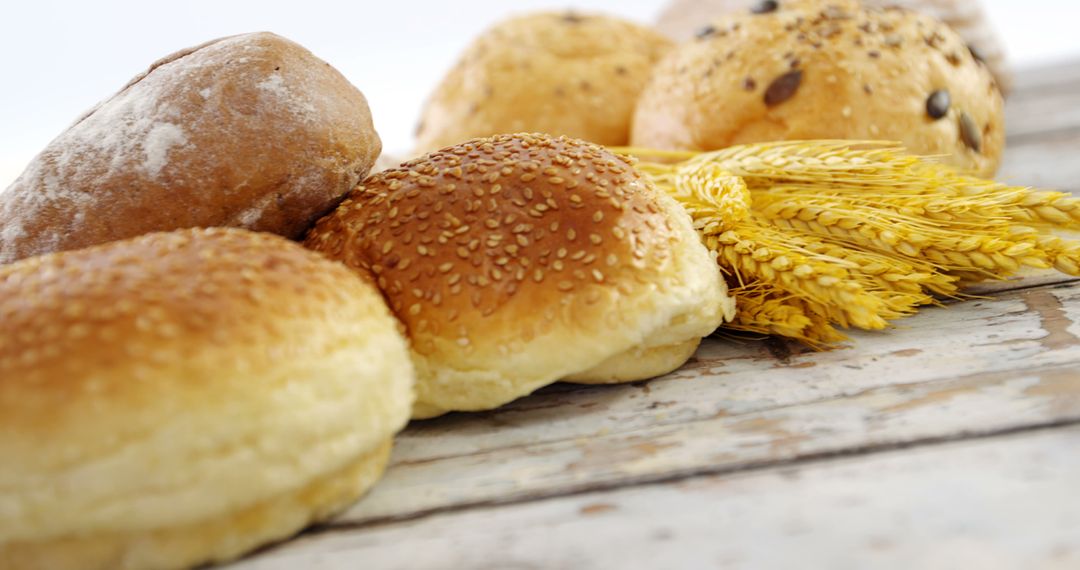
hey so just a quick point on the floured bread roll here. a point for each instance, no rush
(519, 260)
(558, 73)
(249, 131)
(683, 19)
(826, 69)
(184, 397)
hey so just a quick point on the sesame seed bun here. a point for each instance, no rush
(250, 131)
(826, 69)
(559, 73)
(184, 397)
(683, 19)
(519, 260)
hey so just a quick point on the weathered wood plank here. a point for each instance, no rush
(1025, 280)
(1046, 104)
(1046, 162)
(1033, 80)
(973, 367)
(989, 504)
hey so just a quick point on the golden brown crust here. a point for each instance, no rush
(559, 73)
(492, 223)
(507, 258)
(249, 131)
(154, 383)
(682, 19)
(825, 70)
(103, 307)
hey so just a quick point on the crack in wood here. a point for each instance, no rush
(665, 478)
(1052, 319)
(1044, 303)
(1052, 381)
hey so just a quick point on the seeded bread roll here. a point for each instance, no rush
(562, 74)
(683, 19)
(826, 69)
(519, 260)
(250, 131)
(184, 397)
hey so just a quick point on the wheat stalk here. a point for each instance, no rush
(856, 233)
(761, 309)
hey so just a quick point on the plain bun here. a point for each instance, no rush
(826, 69)
(184, 397)
(558, 73)
(519, 260)
(249, 131)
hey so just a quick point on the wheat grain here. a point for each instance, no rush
(764, 310)
(856, 233)
(757, 253)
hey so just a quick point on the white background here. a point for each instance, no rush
(59, 58)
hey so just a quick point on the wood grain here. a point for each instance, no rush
(987, 504)
(1048, 162)
(990, 365)
(1045, 101)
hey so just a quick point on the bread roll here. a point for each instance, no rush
(181, 398)
(826, 69)
(682, 19)
(559, 73)
(519, 260)
(250, 131)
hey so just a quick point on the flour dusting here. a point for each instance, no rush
(168, 139)
(161, 138)
(274, 84)
(9, 234)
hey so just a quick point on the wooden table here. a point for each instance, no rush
(952, 441)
